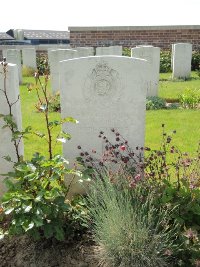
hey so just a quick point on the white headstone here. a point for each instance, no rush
(103, 93)
(14, 56)
(29, 57)
(7, 147)
(182, 57)
(55, 56)
(152, 55)
(111, 50)
(85, 51)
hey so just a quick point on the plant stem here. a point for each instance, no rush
(46, 114)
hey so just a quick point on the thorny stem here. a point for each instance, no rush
(46, 114)
(16, 143)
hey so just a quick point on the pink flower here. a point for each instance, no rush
(137, 177)
(122, 148)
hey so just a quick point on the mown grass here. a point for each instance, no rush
(170, 89)
(30, 116)
(185, 122)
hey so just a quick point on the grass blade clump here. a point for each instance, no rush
(127, 227)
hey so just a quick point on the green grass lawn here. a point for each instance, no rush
(185, 122)
(30, 116)
(170, 89)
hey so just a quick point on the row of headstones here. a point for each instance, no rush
(100, 92)
(181, 60)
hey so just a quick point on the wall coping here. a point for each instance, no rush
(132, 28)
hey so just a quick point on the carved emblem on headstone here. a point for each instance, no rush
(102, 84)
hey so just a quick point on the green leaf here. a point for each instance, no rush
(8, 211)
(38, 221)
(65, 135)
(41, 135)
(48, 230)
(60, 234)
(30, 226)
(69, 119)
(27, 208)
(61, 139)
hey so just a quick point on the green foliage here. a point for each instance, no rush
(42, 64)
(36, 200)
(126, 52)
(173, 177)
(128, 228)
(165, 61)
(155, 102)
(190, 98)
(54, 103)
(196, 60)
(27, 71)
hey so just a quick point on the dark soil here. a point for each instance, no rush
(24, 252)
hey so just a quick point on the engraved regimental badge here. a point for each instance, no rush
(102, 84)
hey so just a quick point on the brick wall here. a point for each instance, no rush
(161, 36)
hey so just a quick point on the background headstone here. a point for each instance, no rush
(55, 56)
(85, 51)
(110, 50)
(152, 55)
(29, 57)
(7, 147)
(182, 58)
(14, 56)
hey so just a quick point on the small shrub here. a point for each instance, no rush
(190, 99)
(126, 52)
(36, 199)
(155, 102)
(128, 228)
(54, 103)
(173, 177)
(165, 61)
(28, 71)
(196, 60)
(118, 156)
(42, 64)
